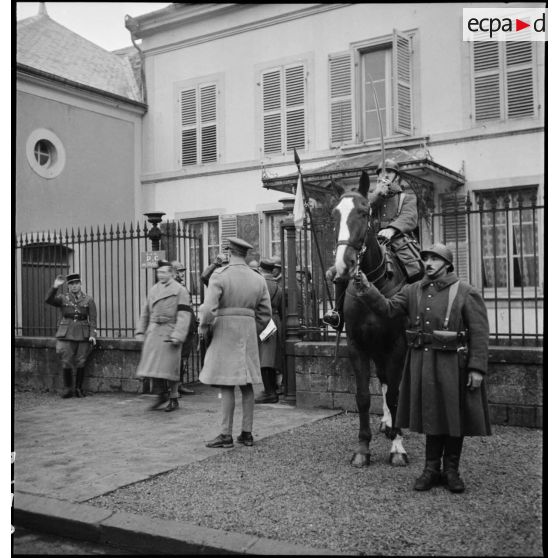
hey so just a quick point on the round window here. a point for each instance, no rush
(45, 153)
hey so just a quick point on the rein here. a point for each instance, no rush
(361, 250)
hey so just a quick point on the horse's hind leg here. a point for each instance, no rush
(361, 368)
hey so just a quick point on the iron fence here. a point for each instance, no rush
(113, 269)
(497, 247)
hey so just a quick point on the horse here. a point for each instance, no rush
(369, 336)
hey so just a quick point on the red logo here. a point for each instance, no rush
(519, 25)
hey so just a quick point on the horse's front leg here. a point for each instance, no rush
(390, 392)
(360, 363)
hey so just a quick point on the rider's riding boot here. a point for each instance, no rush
(452, 453)
(431, 475)
(269, 394)
(80, 373)
(67, 377)
(335, 317)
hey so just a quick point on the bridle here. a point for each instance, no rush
(361, 250)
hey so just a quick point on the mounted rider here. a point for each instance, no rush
(394, 219)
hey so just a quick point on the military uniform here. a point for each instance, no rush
(237, 307)
(78, 323)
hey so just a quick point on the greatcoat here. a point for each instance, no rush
(270, 349)
(238, 307)
(386, 212)
(433, 396)
(164, 316)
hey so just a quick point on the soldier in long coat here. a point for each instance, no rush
(271, 349)
(237, 308)
(394, 215)
(163, 326)
(77, 329)
(442, 392)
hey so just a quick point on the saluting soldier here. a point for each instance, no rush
(394, 218)
(237, 308)
(442, 392)
(77, 329)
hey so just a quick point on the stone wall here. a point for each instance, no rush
(111, 366)
(514, 382)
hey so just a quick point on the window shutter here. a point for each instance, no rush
(519, 79)
(271, 91)
(208, 117)
(340, 98)
(227, 228)
(486, 78)
(402, 84)
(295, 103)
(189, 154)
(455, 237)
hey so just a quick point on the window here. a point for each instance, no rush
(209, 232)
(45, 153)
(509, 237)
(284, 108)
(198, 112)
(381, 66)
(274, 221)
(503, 80)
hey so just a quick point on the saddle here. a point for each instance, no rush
(405, 250)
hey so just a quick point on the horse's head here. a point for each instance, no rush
(352, 222)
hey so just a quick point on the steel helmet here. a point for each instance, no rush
(440, 250)
(390, 164)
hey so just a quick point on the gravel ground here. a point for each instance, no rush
(298, 487)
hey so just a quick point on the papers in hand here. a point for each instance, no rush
(269, 330)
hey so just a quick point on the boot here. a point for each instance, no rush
(80, 373)
(269, 395)
(335, 317)
(172, 406)
(453, 446)
(67, 377)
(431, 475)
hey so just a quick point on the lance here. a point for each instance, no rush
(307, 209)
(382, 146)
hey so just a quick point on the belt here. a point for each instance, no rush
(162, 320)
(236, 312)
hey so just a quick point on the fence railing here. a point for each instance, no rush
(497, 247)
(112, 266)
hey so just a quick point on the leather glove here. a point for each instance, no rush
(331, 273)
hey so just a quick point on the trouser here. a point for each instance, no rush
(228, 404)
(71, 352)
(161, 386)
(444, 447)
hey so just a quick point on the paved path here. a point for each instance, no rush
(76, 449)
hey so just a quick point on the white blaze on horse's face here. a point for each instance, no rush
(345, 206)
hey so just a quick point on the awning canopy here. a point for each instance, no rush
(416, 166)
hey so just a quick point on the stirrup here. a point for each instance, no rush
(332, 318)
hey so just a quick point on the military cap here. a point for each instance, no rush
(179, 266)
(73, 278)
(440, 250)
(390, 164)
(306, 271)
(267, 264)
(277, 262)
(253, 264)
(163, 263)
(239, 245)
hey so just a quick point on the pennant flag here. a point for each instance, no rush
(298, 211)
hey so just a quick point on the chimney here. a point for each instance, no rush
(42, 9)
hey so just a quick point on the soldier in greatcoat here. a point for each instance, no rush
(270, 349)
(442, 392)
(394, 218)
(163, 326)
(237, 309)
(77, 329)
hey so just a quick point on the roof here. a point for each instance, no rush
(45, 45)
(416, 164)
